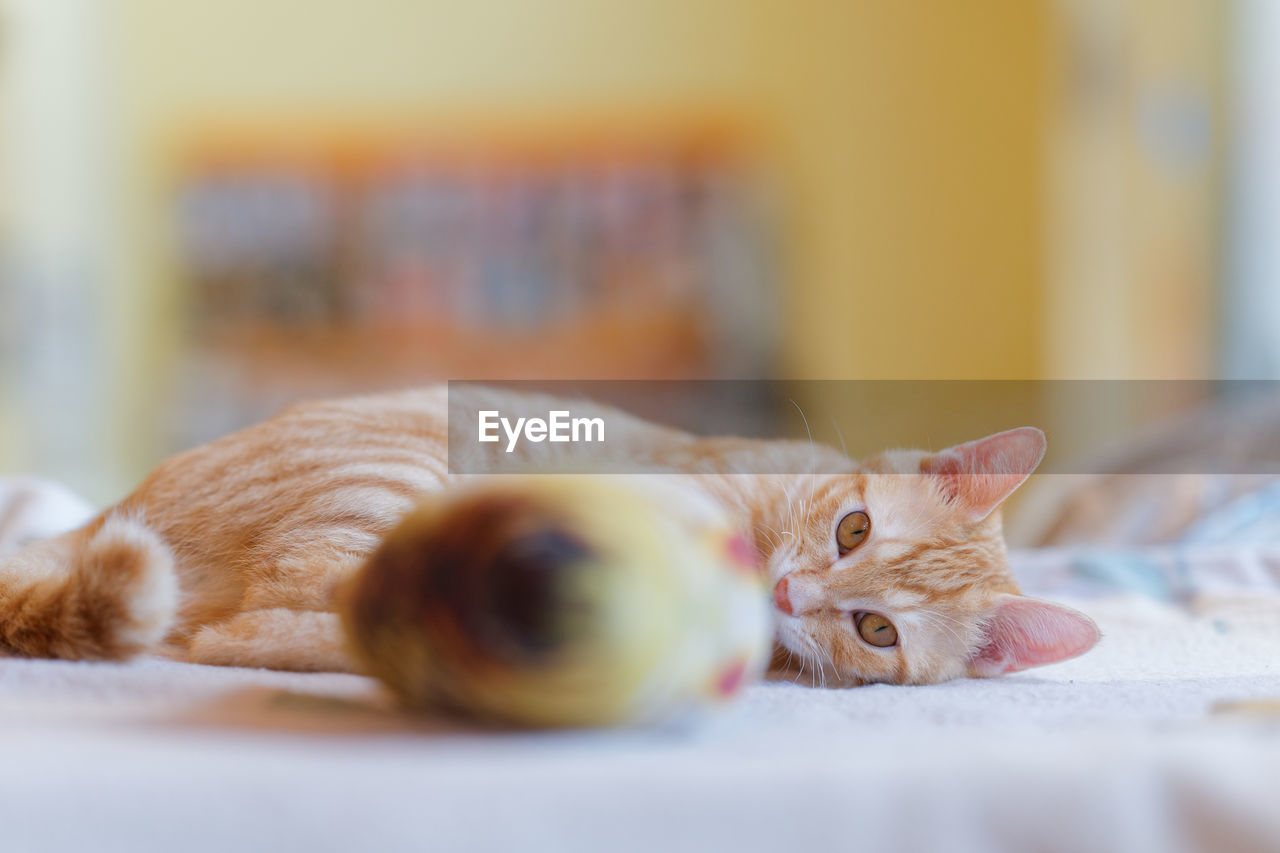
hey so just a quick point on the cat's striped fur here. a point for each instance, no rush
(232, 553)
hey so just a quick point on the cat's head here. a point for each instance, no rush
(897, 573)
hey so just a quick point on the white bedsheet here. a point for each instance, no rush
(1121, 749)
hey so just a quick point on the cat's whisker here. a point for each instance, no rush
(930, 619)
(835, 673)
(795, 679)
(813, 461)
(840, 434)
(790, 502)
(933, 618)
(777, 531)
(957, 622)
(921, 521)
(819, 665)
(940, 615)
(809, 655)
(790, 656)
(813, 660)
(915, 523)
(767, 532)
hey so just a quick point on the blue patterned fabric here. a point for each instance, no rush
(1252, 519)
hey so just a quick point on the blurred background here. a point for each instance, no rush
(208, 210)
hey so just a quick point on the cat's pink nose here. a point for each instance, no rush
(780, 599)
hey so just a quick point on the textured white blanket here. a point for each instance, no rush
(1132, 747)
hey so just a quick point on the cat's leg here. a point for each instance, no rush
(275, 638)
(306, 580)
(286, 619)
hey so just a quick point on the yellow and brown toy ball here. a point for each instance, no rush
(562, 601)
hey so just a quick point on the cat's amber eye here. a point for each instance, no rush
(876, 630)
(852, 531)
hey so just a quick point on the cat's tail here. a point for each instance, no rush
(106, 591)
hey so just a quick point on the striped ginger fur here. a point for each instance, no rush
(104, 592)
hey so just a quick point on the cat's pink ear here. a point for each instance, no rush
(1024, 632)
(979, 475)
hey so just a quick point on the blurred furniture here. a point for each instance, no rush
(325, 264)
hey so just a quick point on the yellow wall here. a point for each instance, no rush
(1133, 164)
(911, 136)
(905, 135)
(930, 228)
(905, 139)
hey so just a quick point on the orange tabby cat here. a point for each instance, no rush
(890, 570)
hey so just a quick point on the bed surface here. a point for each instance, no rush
(1137, 745)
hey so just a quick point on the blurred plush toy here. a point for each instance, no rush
(562, 601)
